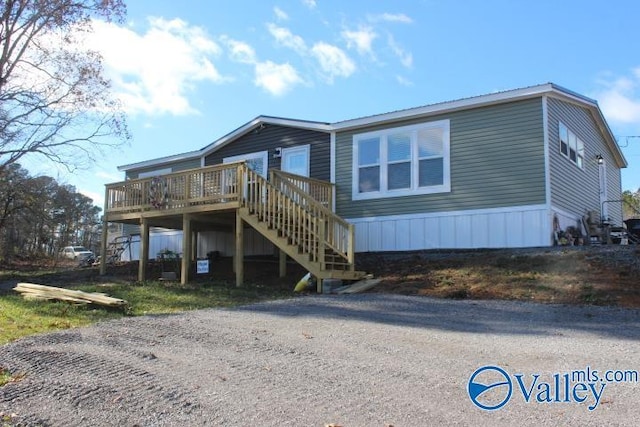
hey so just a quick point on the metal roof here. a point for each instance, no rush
(546, 89)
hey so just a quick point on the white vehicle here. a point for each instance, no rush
(79, 253)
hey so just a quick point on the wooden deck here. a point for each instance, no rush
(293, 212)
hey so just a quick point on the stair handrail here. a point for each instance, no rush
(340, 234)
(301, 218)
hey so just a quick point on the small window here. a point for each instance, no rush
(571, 146)
(580, 153)
(564, 140)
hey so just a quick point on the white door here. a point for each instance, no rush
(602, 180)
(296, 160)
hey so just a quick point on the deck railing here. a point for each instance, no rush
(204, 186)
(298, 207)
(321, 191)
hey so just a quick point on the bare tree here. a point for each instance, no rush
(631, 204)
(38, 216)
(54, 98)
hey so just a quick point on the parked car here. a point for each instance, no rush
(78, 253)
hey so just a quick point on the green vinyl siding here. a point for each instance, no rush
(175, 167)
(497, 160)
(573, 189)
(271, 137)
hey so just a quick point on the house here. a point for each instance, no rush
(502, 170)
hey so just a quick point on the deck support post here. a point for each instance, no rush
(239, 253)
(144, 249)
(194, 245)
(187, 237)
(105, 235)
(283, 263)
(103, 247)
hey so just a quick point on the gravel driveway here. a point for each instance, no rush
(362, 360)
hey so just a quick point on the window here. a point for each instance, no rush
(258, 162)
(402, 161)
(571, 146)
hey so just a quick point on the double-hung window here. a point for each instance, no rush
(571, 146)
(402, 161)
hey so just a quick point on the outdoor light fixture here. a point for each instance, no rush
(600, 159)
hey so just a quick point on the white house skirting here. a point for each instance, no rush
(209, 241)
(513, 227)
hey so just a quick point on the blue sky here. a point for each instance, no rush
(190, 72)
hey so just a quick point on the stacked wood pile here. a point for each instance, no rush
(34, 291)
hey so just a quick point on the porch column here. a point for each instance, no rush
(239, 253)
(144, 249)
(186, 248)
(283, 263)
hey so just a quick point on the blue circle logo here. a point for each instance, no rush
(490, 388)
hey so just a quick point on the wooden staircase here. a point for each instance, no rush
(301, 226)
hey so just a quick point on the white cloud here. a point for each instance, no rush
(240, 51)
(154, 72)
(286, 38)
(333, 61)
(280, 14)
(391, 17)
(362, 39)
(404, 81)
(406, 58)
(620, 98)
(276, 79)
(311, 4)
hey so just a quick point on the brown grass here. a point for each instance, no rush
(606, 275)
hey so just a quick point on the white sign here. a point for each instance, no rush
(202, 266)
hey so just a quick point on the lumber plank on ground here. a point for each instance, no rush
(35, 291)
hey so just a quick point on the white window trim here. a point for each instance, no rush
(306, 148)
(264, 155)
(578, 142)
(415, 190)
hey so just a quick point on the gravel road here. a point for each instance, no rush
(362, 360)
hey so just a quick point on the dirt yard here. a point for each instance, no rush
(593, 275)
